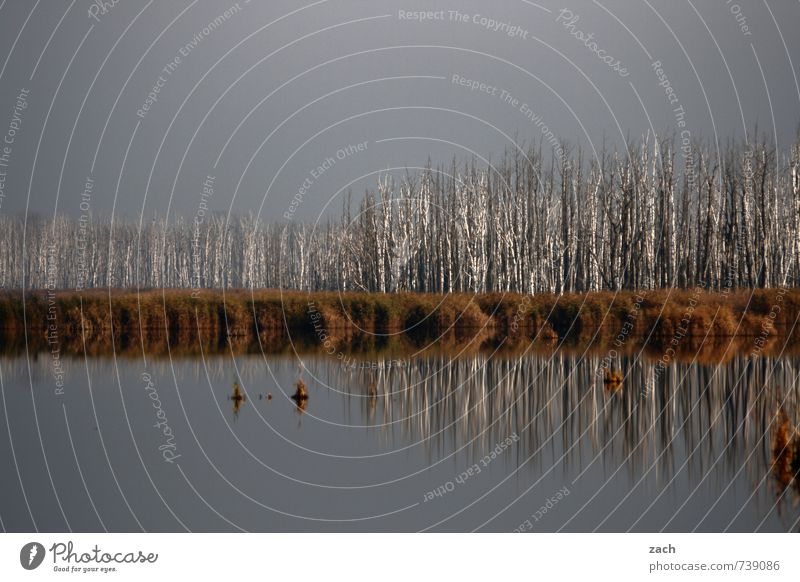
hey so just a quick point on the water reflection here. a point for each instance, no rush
(237, 398)
(710, 421)
(712, 445)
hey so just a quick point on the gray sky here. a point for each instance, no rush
(273, 89)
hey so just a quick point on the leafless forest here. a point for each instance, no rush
(659, 214)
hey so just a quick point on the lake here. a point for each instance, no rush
(481, 440)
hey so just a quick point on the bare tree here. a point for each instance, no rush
(530, 223)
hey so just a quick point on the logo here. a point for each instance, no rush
(31, 555)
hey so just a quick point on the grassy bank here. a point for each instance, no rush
(239, 317)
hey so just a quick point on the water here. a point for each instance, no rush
(486, 441)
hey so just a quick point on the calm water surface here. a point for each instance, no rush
(478, 442)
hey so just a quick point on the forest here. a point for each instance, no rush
(652, 216)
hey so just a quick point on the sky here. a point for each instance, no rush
(139, 108)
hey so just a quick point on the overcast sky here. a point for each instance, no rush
(258, 95)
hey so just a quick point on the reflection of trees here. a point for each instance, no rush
(722, 417)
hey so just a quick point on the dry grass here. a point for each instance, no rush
(785, 446)
(241, 317)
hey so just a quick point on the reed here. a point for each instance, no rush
(267, 316)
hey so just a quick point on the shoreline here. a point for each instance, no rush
(211, 318)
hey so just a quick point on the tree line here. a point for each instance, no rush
(533, 222)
